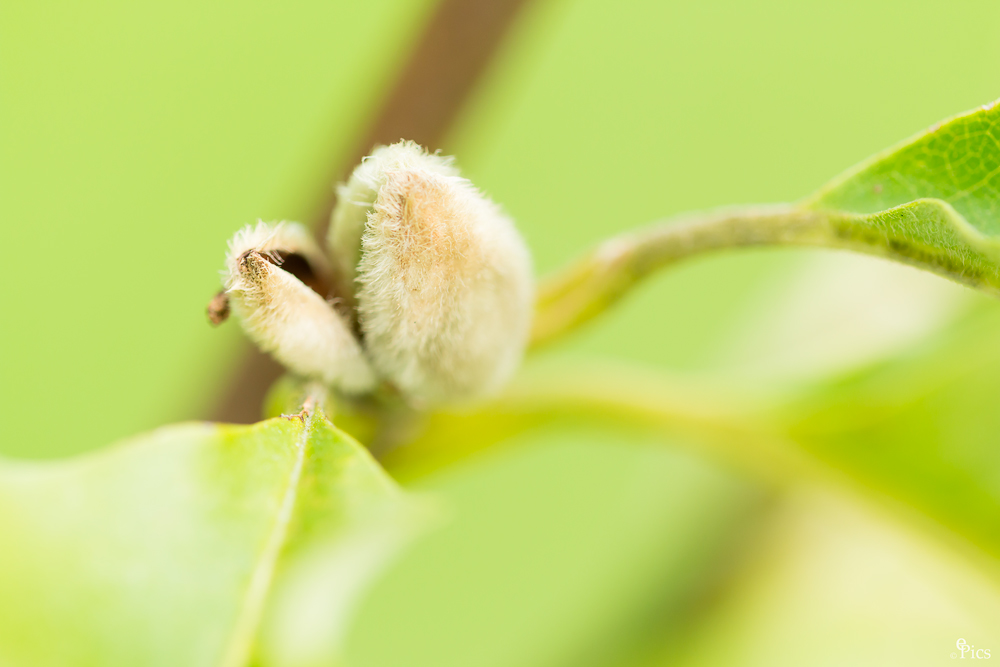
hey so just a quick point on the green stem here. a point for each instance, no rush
(593, 283)
(925, 233)
(728, 431)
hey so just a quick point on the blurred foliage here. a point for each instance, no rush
(923, 426)
(636, 534)
(135, 139)
(163, 550)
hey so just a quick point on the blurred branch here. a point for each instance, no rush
(456, 46)
(734, 429)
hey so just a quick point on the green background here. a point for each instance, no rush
(136, 137)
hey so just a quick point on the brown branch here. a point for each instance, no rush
(454, 50)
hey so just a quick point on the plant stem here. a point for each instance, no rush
(592, 284)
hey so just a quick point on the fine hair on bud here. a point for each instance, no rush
(357, 196)
(283, 315)
(445, 288)
(429, 292)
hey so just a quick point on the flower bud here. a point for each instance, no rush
(444, 279)
(356, 198)
(285, 316)
(433, 282)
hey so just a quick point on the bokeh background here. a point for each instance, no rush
(135, 138)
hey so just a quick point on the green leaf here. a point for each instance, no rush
(956, 161)
(933, 200)
(173, 548)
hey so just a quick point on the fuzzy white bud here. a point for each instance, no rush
(356, 198)
(445, 283)
(436, 279)
(284, 316)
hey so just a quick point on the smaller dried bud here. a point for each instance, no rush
(283, 315)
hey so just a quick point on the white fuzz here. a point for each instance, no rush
(284, 316)
(356, 198)
(437, 278)
(445, 297)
